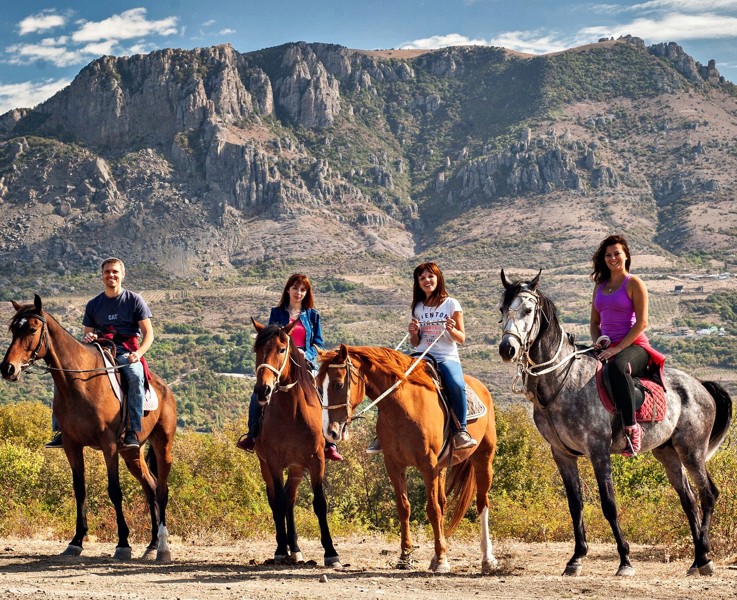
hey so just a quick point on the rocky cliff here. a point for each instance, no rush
(191, 159)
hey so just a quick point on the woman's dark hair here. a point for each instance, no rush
(601, 272)
(297, 279)
(418, 294)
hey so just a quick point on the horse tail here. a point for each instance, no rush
(151, 462)
(460, 488)
(723, 417)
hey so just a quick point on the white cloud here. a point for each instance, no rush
(127, 25)
(692, 6)
(28, 93)
(43, 21)
(209, 23)
(441, 41)
(672, 28)
(60, 56)
(226, 31)
(530, 42)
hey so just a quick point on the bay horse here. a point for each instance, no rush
(89, 414)
(559, 379)
(291, 438)
(410, 430)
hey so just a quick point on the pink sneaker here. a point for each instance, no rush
(633, 437)
(331, 452)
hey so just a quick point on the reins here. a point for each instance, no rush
(43, 340)
(526, 367)
(349, 366)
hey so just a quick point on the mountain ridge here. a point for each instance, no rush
(211, 158)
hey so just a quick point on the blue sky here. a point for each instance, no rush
(43, 45)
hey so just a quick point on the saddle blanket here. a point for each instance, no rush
(653, 407)
(476, 408)
(151, 399)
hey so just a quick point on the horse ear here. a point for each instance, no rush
(536, 281)
(37, 303)
(342, 353)
(289, 326)
(256, 324)
(16, 306)
(505, 282)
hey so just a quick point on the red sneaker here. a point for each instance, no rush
(331, 452)
(633, 438)
(246, 443)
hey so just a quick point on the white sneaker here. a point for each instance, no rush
(374, 448)
(463, 440)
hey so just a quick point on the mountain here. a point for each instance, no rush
(205, 159)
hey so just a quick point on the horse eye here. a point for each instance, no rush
(282, 350)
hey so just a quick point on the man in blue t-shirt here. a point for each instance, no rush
(121, 316)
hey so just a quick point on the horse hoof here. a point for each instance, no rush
(122, 553)
(149, 553)
(439, 567)
(163, 556)
(72, 550)
(333, 561)
(280, 559)
(573, 570)
(707, 570)
(489, 566)
(625, 571)
(692, 571)
(296, 558)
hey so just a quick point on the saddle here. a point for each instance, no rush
(119, 384)
(650, 402)
(475, 408)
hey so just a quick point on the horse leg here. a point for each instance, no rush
(398, 477)
(602, 463)
(295, 475)
(123, 549)
(75, 456)
(278, 503)
(708, 493)
(163, 468)
(145, 477)
(568, 469)
(484, 474)
(320, 506)
(435, 500)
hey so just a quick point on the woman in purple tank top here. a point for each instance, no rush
(619, 311)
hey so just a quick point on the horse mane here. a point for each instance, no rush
(304, 378)
(385, 360)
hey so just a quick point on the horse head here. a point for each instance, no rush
(30, 339)
(520, 308)
(274, 355)
(342, 387)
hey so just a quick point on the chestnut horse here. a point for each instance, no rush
(89, 414)
(291, 437)
(410, 429)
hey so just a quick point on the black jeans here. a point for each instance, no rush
(630, 362)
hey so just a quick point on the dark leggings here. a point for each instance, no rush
(632, 361)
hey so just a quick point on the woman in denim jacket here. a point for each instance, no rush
(297, 302)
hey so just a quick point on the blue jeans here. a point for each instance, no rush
(455, 387)
(136, 391)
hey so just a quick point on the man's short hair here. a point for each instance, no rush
(112, 260)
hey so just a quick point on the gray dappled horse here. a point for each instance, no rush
(560, 382)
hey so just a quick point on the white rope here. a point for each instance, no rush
(399, 381)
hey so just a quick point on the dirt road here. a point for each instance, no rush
(32, 569)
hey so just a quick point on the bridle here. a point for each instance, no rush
(526, 367)
(351, 372)
(278, 372)
(42, 339)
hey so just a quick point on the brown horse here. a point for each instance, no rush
(291, 437)
(410, 429)
(89, 414)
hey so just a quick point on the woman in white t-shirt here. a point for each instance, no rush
(436, 315)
